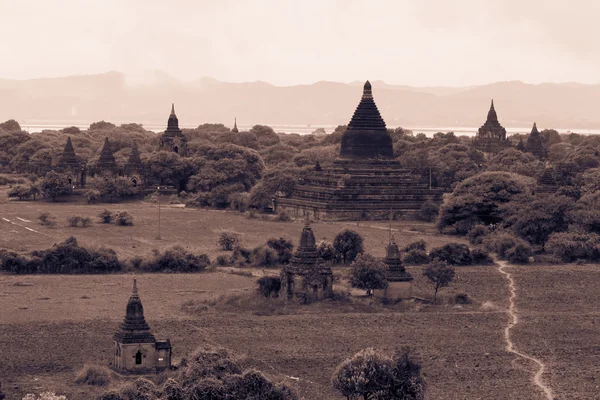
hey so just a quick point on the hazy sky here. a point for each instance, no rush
(285, 42)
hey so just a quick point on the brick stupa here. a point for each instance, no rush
(535, 144)
(134, 164)
(366, 179)
(106, 163)
(68, 159)
(173, 138)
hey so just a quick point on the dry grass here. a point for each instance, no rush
(95, 375)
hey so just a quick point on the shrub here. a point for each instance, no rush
(571, 246)
(242, 254)
(462, 298)
(481, 256)
(44, 396)
(85, 222)
(500, 242)
(428, 211)
(348, 245)
(223, 260)
(74, 220)
(365, 374)
(415, 257)
(283, 217)
(123, 218)
(519, 254)
(269, 286)
(477, 233)
(368, 273)
(92, 195)
(173, 390)
(228, 240)
(326, 251)
(111, 394)
(106, 216)
(264, 257)
(93, 375)
(283, 247)
(407, 381)
(47, 219)
(453, 254)
(418, 245)
(176, 259)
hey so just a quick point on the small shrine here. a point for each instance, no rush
(106, 162)
(491, 136)
(69, 164)
(399, 280)
(136, 349)
(535, 143)
(307, 274)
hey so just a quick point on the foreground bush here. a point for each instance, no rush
(93, 375)
(106, 216)
(571, 246)
(175, 259)
(123, 218)
(47, 219)
(370, 374)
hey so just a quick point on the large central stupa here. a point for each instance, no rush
(366, 180)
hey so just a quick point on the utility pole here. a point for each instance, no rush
(158, 201)
(430, 177)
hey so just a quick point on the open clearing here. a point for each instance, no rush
(51, 325)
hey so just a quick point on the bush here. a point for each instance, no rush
(283, 247)
(428, 211)
(348, 245)
(519, 254)
(173, 390)
(123, 218)
(368, 273)
(228, 240)
(283, 217)
(106, 216)
(481, 256)
(477, 233)
(223, 260)
(500, 242)
(365, 374)
(47, 219)
(453, 254)
(571, 246)
(462, 298)
(415, 257)
(242, 254)
(326, 251)
(74, 220)
(85, 222)
(418, 245)
(175, 259)
(92, 195)
(264, 257)
(269, 286)
(93, 375)
(439, 274)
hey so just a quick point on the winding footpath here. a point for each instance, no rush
(513, 320)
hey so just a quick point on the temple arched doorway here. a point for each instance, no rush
(138, 357)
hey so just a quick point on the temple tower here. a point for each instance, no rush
(136, 349)
(535, 144)
(134, 167)
(106, 163)
(306, 274)
(399, 280)
(367, 135)
(173, 138)
(68, 159)
(235, 128)
(491, 136)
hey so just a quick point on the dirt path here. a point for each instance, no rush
(513, 320)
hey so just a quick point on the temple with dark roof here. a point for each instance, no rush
(306, 274)
(535, 143)
(69, 164)
(173, 138)
(134, 165)
(106, 163)
(136, 349)
(366, 180)
(491, 136)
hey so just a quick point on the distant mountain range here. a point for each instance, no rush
(83, 99)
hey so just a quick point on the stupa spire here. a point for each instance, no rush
(107, 158)
(492, 116)
(135, 289)
(68, 157)
(367, 92)
(235, 128)
(173, 109)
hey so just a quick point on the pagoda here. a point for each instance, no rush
(106, 163)
(136, 349)
(173, 138)
(546, 182)
(491, 136)
(366, 180)
(399, 280)
(306, 274)
(134, 164)
(68, 159)
(535, 144)
(235, 128)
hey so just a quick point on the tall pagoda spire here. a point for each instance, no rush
(492, 116)
(134, 328)
(535, 144)
(107, 159)
(366, 136)
(173, 122)
(235, 128)
(134, 163)
(68, 157)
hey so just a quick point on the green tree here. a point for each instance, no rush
(537, 220)
(348, 245)
(408, 383)
(439, 274)
(368, 273)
